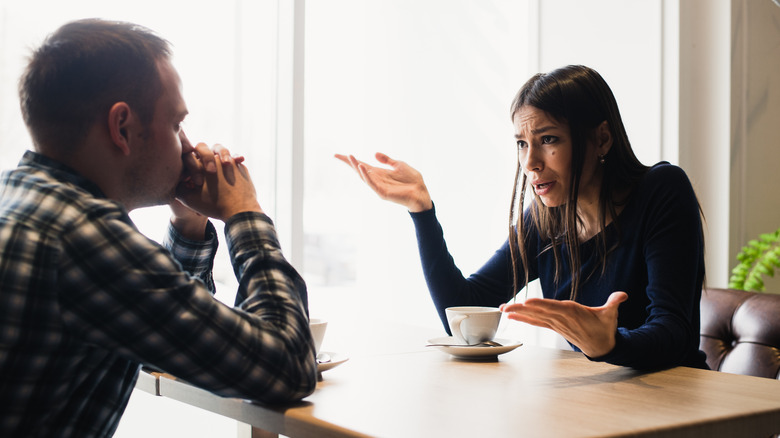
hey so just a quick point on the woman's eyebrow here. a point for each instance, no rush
(541, 130)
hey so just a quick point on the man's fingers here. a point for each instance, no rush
(206, 156)
(222, 153)
(226, 163)
(192, 170)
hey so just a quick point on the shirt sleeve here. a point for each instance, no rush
(491, 285)
(196, 257)
(126, 294)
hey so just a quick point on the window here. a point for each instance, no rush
(428, 82)
(226, 56)
(425, 82)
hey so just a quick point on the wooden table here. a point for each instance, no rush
(408, 390)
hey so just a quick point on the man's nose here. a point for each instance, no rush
(186, 146)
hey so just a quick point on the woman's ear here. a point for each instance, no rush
(603, 138)
(120, 121)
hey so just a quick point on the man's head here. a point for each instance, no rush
(104, 98)
(80, 71)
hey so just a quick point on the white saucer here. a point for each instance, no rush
(467, 352)
(335, 360)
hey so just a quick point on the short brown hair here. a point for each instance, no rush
(80, 71)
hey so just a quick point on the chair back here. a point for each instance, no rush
(740, 332)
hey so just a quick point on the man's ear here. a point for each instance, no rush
(120, 123)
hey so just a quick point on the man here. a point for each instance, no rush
(85, 299)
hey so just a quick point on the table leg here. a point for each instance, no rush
(249, 431)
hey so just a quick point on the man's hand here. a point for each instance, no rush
(217, 184)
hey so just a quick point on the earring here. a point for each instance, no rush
(601, 159)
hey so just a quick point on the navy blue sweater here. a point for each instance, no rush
(658, 262)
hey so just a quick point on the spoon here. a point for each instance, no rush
(479, 344)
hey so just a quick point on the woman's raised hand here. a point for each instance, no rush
(401, 183)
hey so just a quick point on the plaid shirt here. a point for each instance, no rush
(85, 299)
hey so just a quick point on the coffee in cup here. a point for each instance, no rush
(471, 324)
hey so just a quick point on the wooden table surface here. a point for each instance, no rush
(540, 393)
(408, 390)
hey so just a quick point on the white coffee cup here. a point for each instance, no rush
(317, 327)
(472, 325)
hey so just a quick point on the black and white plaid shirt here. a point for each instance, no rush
(85, 299)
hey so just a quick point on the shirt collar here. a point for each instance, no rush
(60, 172)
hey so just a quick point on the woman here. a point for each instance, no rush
(617, 246)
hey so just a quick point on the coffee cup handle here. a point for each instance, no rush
(455, 327)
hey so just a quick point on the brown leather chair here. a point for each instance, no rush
(740, 332)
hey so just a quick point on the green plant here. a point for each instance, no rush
(758, 258)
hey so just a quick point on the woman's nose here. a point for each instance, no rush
(531, 160)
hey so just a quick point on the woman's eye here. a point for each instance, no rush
(521, 144)
(547, 139)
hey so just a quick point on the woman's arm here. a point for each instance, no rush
(402, 184)
(492, 285)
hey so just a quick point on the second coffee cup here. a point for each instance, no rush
(317, 327)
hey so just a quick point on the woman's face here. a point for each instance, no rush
(545, 147)
(545, 154)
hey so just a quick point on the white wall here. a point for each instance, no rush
(704, 121)
(729, 109)
(755, 125)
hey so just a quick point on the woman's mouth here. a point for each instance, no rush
(543, 188)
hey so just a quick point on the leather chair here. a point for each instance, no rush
(740, 332)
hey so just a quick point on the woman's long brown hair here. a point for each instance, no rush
(578, 96)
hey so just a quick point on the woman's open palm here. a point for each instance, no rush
(592, 329)
(401, 183)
